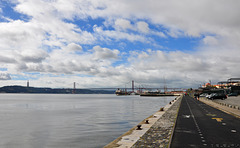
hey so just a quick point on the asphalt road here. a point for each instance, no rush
(200, 125)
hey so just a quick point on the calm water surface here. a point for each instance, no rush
(70, 121)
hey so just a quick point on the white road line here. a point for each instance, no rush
(199, 131)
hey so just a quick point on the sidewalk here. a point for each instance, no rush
(230, 106)
(234, 101)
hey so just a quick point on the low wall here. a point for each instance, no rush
(163, 120)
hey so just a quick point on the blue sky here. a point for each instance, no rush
(107, 44)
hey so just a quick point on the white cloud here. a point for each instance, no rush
(19, 34)
(123, 24)
(33, 56)
(73, 47)
(105, 53)
(24, 44)
(7, 59)
(106, 35)
(5, 76)
(209, 40)
(143, 27)
(64, 61)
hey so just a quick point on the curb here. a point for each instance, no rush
(173, 129)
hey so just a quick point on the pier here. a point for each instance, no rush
(186, 122)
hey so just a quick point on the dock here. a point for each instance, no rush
(159, 95)
(186, 122)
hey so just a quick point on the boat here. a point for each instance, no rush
(158, 93)
(120, 92)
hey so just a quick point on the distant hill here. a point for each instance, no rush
(22, 89)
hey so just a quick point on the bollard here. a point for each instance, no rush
(170, 102)
(161, 109)
(139, 127)
(147, 121)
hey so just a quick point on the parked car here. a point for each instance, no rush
(218, 96)
(203, 95)
(209, 96)
(232, 94)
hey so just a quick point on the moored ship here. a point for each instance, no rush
(120, 92)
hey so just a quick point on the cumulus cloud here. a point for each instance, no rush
(183, 68)
(143, 27)
(34, 56)
(5, 76)
(106, 35)
(209, 40)
(105, 53)
(6, 59)
(73, 47)
(50, 41)
(123, 24)
(65, 61)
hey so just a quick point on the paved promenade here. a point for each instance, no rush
(159, 135)
(200, 125)
(230, 100)
(231, 105)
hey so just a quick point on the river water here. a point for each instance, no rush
(70, 120)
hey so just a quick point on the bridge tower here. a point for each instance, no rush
(74, 87)
(132, 86)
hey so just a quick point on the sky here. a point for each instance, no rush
(106, 43)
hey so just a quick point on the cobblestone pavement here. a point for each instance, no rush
(160, 133)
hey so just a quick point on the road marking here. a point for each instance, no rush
(212, 115)
(186, 116)
(218, 119)
(196, 124)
